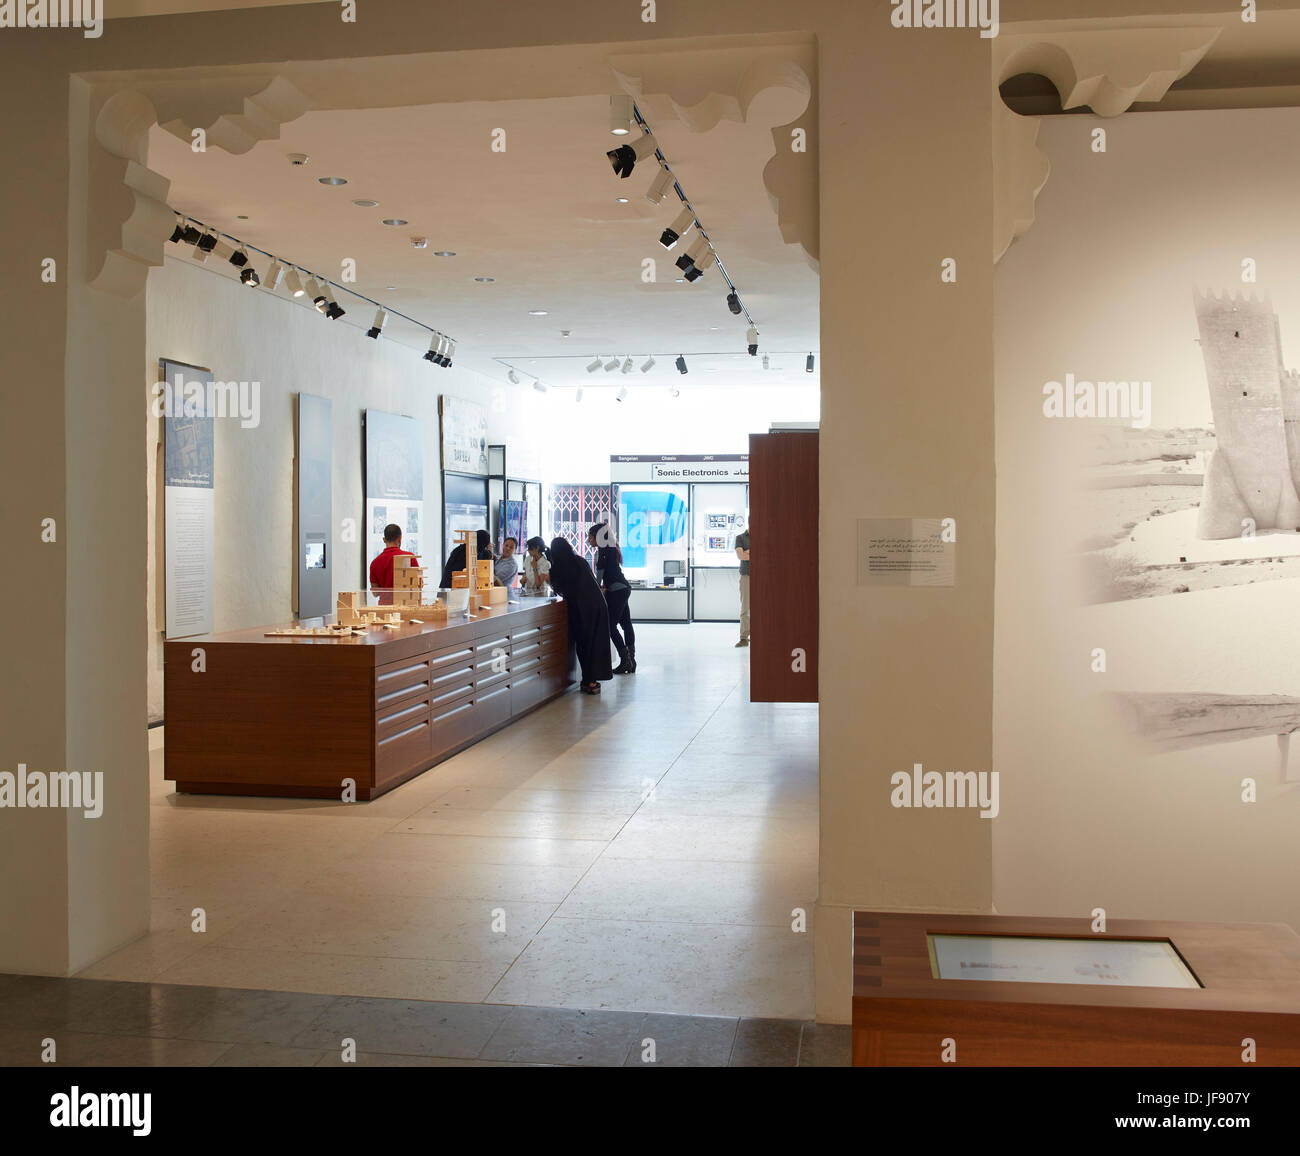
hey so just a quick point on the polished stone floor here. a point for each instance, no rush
(104, 1023)
(647, 851)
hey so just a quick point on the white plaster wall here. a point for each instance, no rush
(205, 319)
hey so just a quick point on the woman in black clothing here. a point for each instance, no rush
(456, 559)
(572, 579)
(617, 590)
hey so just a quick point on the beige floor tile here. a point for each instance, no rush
(698, 969)
(487, 849)
(146, 958)
(515, 824)
(725, 837)
(595, 802)
(261, 968)
(427, 878)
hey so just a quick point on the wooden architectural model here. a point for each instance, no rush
(482, 590)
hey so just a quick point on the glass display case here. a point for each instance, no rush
(653, 522)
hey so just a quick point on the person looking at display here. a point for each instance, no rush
(507, 566)
(742, 552)
(456, 559)
(381, 568)
(617, 590)
(572, 579)
(537, 566)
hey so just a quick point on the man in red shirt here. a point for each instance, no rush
(381, 569)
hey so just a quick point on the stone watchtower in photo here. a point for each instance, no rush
(1254, 470)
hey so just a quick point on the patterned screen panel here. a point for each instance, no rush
(572, 508)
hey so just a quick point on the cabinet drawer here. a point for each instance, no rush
(405, 748)
(490, 645)
(400, 679)
(492, 708)
(451, 656)
(453, 725)
(401, 717)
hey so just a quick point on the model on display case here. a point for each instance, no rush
(479, 580)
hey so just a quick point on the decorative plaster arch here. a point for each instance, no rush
(676, 86)
(1107, 70)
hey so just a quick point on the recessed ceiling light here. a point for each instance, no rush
(621, 200)
(680, 280)
(444, 253)
(485, 280)
(332, 180)
(242, 217)
(390, 288)
(395, 221)
(365, 204)
(537, 313)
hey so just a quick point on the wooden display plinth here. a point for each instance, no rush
(903, 1016)
(299, 716)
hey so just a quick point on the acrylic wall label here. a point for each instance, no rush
(906, 552)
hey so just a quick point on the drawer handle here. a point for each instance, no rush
(459, 672)
(446, 658)
(455, 711)
(419, 666)
(403, 734)
(422, 705)
(401, 690)
(494, 694)
(452, 693)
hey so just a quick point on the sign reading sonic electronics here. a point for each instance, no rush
(679, 468)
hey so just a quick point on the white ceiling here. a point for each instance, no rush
(540, 217)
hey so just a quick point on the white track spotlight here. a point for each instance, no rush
(659, 186)
(623, 159)
(620, 114)
(648, 366)
(316, 294)
(627, 365)
(681, 364)
(377, 326)
(674, 392)
(751, 341)
(512, 377)
(274, 275)
(809, 365)
(293, 283)
(224, 252)
(578, 396)
(610, 366)
(733, 302)
(448, 352)
(595, 365)
(688, 261)
(435, 349)
(249, 277)
(671, 235)
(622, 394)
(539, 385)
(767, 364)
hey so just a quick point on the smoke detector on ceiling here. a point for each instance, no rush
(298, 158)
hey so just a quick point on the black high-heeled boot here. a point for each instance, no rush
(623, 667)
(631, 658)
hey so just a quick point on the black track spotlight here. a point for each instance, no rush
(809, 365)
(335, 311)
(681, 364)
(733, 302)
(671, 235)
(249, 277)
(377, 326)
(178, 233)
(751, 341)
(191, 235)
(692, 257)
(239, 258)
(623, 159)
(207, 242)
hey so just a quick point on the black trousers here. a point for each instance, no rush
(620, 616)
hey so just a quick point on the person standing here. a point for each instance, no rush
(617, 591)
(572, 579)
(381, 567)
(456, 559)
(742, 552)
(507, 566)
(537, 567)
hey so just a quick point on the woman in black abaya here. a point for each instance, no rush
(572, 579)
(456, 559)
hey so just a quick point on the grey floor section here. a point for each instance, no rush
(96, 1023)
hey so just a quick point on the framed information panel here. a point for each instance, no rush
(984, 990)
